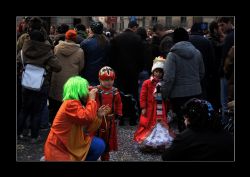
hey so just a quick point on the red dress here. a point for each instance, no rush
(148, 101)
(107, 130)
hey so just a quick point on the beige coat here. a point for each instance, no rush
(71, 57)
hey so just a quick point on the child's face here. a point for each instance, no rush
(158, 73)
(107, 83)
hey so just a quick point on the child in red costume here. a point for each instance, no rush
(153, 131)
(108, 95)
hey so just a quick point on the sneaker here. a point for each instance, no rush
(44, 127)
(42, 159)
(27, 133)
(20, 137)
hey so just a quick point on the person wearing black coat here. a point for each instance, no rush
(203, 139)
(208, 55)
(126, 58)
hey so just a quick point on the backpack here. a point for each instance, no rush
(32, 76)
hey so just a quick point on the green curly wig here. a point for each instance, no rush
(75, 88)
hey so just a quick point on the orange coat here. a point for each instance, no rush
(67, 140)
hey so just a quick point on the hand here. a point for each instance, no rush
(103, 110)
(143, 111)
(92, 94)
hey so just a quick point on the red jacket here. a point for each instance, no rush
(147, 100)
(107, 130)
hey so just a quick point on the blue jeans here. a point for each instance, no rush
(223, 98)
(96, 149)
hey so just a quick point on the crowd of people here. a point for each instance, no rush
(96, 80)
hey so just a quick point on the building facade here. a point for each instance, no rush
(119, 23)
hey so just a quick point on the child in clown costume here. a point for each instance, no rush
(108, 95)
(153, 131)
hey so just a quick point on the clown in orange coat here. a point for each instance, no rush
(67, 141)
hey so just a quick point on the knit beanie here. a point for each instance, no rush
(70, 35)
(158, 63)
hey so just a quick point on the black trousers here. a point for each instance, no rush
(31, 107)
(130, 107)
(54, 106)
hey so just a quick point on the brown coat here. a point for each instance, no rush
(229, 72)
(40, 54)
(20, 41)
(71, 57)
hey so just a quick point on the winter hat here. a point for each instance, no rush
(70, 35)
(132, 24)
(158, 63)
(96, 27)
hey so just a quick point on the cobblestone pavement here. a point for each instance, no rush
(127, 149)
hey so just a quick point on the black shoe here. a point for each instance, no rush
(22, 137)
(121, 123)
(36, 140)
(133, 123)
(44, 127)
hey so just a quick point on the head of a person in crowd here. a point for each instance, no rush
(159, 30)
(96, 27)
(213, 27)
(62, 29)
(180, 34)
(157, 68)
(37, 35)
(35, 23)
(133, 25)
(70, 35)
(199, 115)
(196, 29)
(80, 27)
(52, 30)
(149, 32)
(23, 26)
(107, 77)
(76, 88)
(225, 24)
(166, 45)
(142, 33)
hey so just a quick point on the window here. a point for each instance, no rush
(183, 21)
(154, 21)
